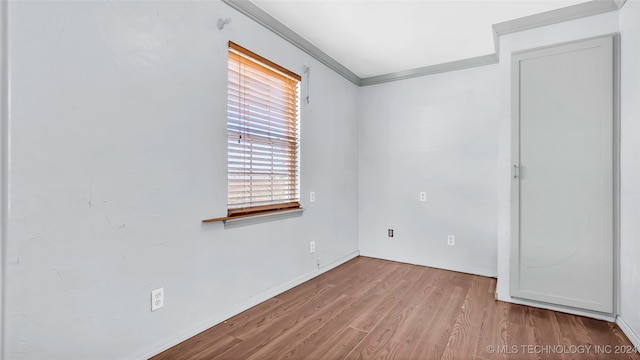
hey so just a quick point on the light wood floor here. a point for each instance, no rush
(376, 309)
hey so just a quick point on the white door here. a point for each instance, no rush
(562, 188)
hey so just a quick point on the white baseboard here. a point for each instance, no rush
(253, 301)
(627, 330)
(472, 271)
(558, 308)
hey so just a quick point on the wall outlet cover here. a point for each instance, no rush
(157, 299)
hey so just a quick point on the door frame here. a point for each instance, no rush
(515, 167)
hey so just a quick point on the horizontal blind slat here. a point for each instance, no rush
(261, 109)
(262, 135)
(237, 52)
(240, 77)
(262, 127)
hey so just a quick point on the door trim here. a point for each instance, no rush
(515, 181)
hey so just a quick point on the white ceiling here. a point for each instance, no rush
(376, 37)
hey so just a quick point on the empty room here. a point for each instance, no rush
(319, 179)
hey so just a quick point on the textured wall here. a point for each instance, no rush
(436, 134)
(118, 151)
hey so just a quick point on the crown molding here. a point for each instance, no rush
(568, 13)
(260, 16)
(620, 3)
(432, 69)
(572, 12)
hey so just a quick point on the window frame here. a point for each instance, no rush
(266, 68)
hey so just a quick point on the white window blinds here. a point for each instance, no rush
(263, 136)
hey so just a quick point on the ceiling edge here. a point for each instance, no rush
(572, 12)
(263, 18)
(620, 3)
(432, 69)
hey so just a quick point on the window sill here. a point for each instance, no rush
(231, 222)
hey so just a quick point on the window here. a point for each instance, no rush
(263, 135)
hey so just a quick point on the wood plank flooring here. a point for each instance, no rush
(376, 309)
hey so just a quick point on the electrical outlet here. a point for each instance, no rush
(312, 247)
(312, 196)
(423, 196)
(451, 240)
(157, 299)
(390, 232)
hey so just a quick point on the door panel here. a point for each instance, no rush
(562, 200)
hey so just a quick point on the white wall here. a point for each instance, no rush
(118, 131)
(548, 35)
(437, 134)
(629, 311)
(3, 161)
(118, 151)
